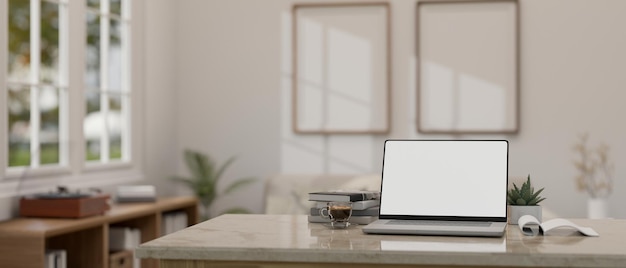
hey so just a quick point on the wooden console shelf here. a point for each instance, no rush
(23, 241)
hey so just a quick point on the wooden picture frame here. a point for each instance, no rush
(468, 66)
(341, 68)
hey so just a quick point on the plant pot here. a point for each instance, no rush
(597, 208)
(515, 212)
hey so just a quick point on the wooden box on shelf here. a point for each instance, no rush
(64, 207)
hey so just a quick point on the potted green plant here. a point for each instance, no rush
(205, 176)
(524, 201)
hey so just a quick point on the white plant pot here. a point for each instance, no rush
(515, 212)
(597, 208)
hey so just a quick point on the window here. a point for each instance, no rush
(107, 95)
(37, 83)
(68, 93)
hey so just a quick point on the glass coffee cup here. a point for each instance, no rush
(338, 212)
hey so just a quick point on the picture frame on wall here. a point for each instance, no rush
(468, 67)
(341, 68)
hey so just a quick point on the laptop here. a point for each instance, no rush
(443, 187)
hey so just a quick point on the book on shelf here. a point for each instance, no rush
(353, 219)
(529, 225)
(122, 238)
(373, 211)
(56, 258)
(136, 193)
(173, 221)
(346, 196)
(358, 205)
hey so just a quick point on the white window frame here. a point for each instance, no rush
(105, 90)
(35, 86)
(74, 171)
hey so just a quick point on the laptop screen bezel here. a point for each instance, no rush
(437, 217)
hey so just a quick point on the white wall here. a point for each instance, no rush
(233, 96)
(217, 79)
(161, 151)
(228, 89)
(573, 65)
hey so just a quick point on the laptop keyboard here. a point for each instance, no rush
(440, 223)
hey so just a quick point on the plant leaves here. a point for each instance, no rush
(524, 196)
(238, 184)
(204, 178)
(205, 189)
(536, 194)
(198, 164)
(512, 197)
(223, 168)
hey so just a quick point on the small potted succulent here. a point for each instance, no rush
(524, 201)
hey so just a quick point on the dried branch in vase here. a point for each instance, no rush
(595, 170)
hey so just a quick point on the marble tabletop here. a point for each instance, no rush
(291, 238)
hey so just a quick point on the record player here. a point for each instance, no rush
(64, 204)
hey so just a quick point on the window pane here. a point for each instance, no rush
(19, 40)
(116, 7)
(93, 3)
(116, 125)
(115, 56)
(49, 42)
(19, 126)
(49, 132)
(93, 102)
(93, 126)
(92, 76)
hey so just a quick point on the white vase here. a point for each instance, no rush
(515, 212)
(597, 208)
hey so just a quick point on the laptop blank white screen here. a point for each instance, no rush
(445, 178)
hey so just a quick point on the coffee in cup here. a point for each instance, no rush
(338, 212)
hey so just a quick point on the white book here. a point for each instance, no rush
(50, 260)
(359, 205)
(164, 224)
(527, 224)
(136, 191)
(136, 235)
(373, 211)
(170, 224)
(136, 238)
(174, 221)
(344, 195)
(117, 238)
(56, 258)
(181, 220)
(122, 238)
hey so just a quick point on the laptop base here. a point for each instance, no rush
(496, 229)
